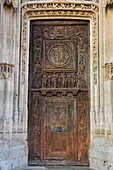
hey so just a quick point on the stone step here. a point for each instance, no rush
(56, 168)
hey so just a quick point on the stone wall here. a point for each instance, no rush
(101, 151)
(13, 152)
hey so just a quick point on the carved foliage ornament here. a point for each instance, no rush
(6, 71)
(81, 10)
(108, 71)
(13, 3)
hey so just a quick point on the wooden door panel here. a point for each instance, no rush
(59, 125)
(59, 93)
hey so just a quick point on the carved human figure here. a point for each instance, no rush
(48, 80)
(109, 2)
(54, 81)
(44, 80)
(75, 79)
(60, 80)
(70, 82)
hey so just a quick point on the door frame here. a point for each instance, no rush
(72, 10)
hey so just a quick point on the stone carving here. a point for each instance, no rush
(6, 71)
(81, 9)
(13, 3)
(107, 3)
(108, 71)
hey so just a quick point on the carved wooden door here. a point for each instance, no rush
(58, 93)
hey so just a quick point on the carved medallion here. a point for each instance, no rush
(59, 55)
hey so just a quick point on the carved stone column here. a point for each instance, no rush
(6, 79)
(108, 76)
(102, 47)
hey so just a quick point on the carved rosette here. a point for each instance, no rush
(108, 71)
(6, 71)
(76, 10)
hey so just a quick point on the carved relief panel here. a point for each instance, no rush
(58, 89)
(59, 128)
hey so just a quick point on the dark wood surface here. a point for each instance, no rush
(58, 93)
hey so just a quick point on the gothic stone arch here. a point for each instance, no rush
(64, 10)
(81, 10)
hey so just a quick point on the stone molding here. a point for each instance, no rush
(108, 71)
(78, 10)
(6, 71)
(13, 3)
(87, 1)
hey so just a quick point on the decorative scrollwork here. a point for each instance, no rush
(82, 125)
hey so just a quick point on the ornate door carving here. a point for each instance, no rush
(58, 93)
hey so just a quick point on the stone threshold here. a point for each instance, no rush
(55, 168)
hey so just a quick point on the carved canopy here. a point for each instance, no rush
(107, 2)
(13, 3)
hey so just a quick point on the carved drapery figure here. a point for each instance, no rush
(107, 2)
(13, 3)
